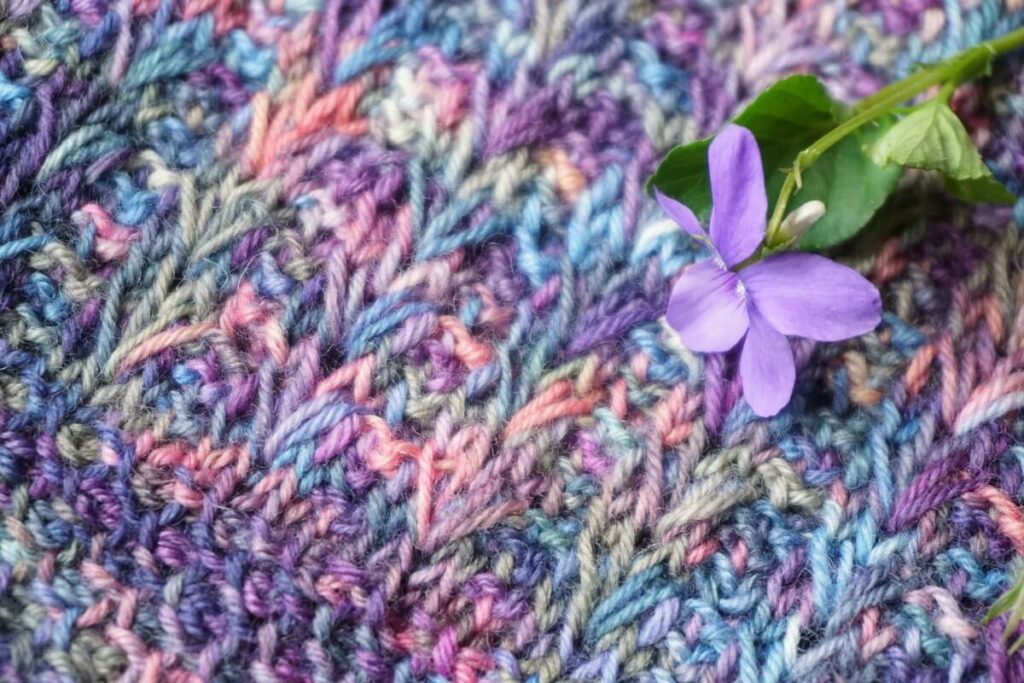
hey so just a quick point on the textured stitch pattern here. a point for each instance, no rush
(330, 350)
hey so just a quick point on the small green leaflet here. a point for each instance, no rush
(931, 137)
(986, 190)
(785, 119)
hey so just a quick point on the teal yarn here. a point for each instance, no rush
(331, 349)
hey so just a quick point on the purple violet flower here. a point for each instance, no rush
(713, 308)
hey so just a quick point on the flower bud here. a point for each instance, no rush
(800, 220)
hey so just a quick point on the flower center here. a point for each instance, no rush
(741, 289)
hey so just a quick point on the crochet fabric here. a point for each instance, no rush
(330, 351)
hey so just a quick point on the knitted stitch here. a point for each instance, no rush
(330, 350)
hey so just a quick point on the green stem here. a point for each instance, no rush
(951, 72)
(946, 93)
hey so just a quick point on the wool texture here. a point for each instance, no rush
(331, 350)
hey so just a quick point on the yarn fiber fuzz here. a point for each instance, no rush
(330, 351)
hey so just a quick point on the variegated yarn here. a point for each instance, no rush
(330, 351)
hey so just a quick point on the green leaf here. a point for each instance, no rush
(1016, 616)
(1016, 646)
(1005, 602)
(851, 185)
(931, 137)
(983, 190)
(683, 175)
(785, 118)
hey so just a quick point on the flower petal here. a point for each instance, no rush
(706, 308)
(807, 295)
(681, 214)
(766, 367)
(740, 206)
